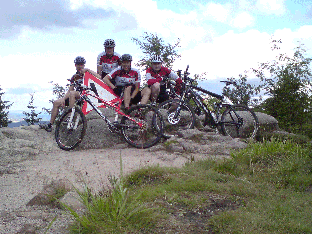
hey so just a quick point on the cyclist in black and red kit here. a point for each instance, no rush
(71, 95)
(154, 77)
(107, 60)
(127, 79)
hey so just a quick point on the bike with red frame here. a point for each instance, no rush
(141, 126)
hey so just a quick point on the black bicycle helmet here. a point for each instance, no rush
(126, 57)
(79, 59)
(109, 43)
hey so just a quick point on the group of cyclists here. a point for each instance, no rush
(116, 71)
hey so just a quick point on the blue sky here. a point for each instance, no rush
(40, 39)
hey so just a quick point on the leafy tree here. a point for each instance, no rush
(31, 117)
(288, 87)
(4, 119)
(152, 44)
(242, 92)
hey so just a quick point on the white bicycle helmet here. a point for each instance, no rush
(156, 59)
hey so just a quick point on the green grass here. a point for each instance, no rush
(265, 188)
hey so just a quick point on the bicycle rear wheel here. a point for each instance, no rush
(172, 123)
(147, 135)
(239, 121)
(71, 129)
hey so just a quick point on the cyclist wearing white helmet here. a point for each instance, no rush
(71, 95)
(109, 59)
(154, 76)
(126, 79)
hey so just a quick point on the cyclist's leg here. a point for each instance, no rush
(155, 88)
(73, 96)
(137, 98)
(127, 96)
(55, 110)
(146, 94)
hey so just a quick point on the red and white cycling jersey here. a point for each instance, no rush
(154, 77)
(108, 64)
(123, 78)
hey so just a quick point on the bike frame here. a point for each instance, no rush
(189, 94)
(218, 105)
(85, 97)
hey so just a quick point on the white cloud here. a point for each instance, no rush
(202, 47)
(276, 7)
(243, 20)
(217, 12)
(228, 55)
(232, 53)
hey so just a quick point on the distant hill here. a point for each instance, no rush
(16, 116)
(21, 123)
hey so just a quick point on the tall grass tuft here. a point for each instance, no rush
(283, 163)
(117, 211)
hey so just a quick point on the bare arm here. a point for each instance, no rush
(92, 72)
(99, 69)
(106, 80)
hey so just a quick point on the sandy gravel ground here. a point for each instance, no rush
(90, 166)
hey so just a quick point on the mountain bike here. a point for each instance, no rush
(237, 121)
(141, 126)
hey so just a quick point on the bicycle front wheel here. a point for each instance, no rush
(239, 121)
(150, 131)
(71, 129)
(175, 118)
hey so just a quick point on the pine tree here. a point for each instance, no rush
(4, 119)
(31, 117)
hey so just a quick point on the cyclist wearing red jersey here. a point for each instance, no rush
(107, 60)
(127, 79)
(154, 76)
(71, 95)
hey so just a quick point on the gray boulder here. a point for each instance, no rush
(267, 124)
(98, 136)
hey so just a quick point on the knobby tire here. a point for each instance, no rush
(185, 120)
(149, 134)
(67, 137)
(239, 121)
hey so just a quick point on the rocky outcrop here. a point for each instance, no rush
(267, 123)
(22, 143)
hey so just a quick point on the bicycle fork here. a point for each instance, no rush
(70, 123)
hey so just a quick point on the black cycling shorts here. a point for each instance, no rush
(104, 74)
(163, 95)
(67, 102)
(119, 89)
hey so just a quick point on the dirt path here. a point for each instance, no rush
(88, 166)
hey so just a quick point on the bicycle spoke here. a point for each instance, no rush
(176, 118)
(147, 135)
(70, 129)
(239, 122)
